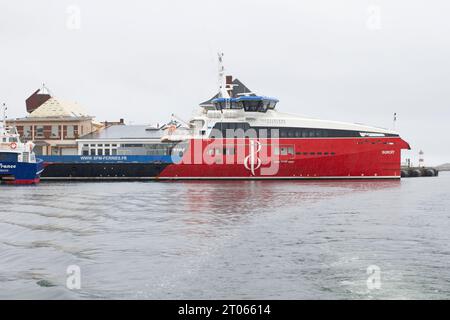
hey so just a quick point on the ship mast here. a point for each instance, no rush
(222, 79)
(4, 115)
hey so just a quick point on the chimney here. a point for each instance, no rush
(36, 100)
(229, 85)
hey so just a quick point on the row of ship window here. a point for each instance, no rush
(283, 151)
(126, 148)
(166, 149)
(242, 129)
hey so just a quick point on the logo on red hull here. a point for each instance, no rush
(252, 162)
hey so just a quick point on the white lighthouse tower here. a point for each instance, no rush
(421, 159)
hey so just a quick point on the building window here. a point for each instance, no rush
(39, 132)
(100, 152)
(92, 152)
(107, 152)
(55, 132)
(70, 132)
(85, 152)
(114, 152)
(27, 131)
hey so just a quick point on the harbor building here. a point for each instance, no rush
(54, 125)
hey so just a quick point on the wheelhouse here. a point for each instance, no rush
(247, 103)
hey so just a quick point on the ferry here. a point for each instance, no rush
(18, 163)
(237, 134)
(241, 135)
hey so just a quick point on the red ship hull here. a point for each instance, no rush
(317, 158)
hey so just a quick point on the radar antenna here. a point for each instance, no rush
(222, 79)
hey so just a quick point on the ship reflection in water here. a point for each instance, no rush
(227, 239)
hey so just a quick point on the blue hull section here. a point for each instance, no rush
(21, 172)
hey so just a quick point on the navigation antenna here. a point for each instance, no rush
(222, 79)
(4, 115)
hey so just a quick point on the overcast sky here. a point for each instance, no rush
(349, 60)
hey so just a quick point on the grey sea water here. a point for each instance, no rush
(213, 240)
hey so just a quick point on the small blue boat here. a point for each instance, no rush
(18, 163)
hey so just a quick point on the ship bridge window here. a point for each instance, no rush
(272, 105)
(264, 106)
(236, 105)
(8, 157)
(252, 106)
